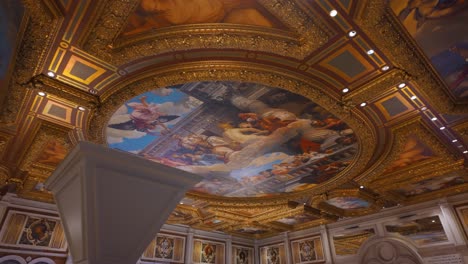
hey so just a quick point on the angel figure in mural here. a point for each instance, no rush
(413, 13)
(145, 117)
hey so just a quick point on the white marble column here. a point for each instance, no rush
(229, 250)
(256, 253)
(189, 245)
(451, 223)
(326, 244)
(112, 203)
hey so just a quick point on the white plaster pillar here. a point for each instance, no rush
(189, 247)
(451, 224)
(112, 203)
(229, 250)
(380, 230)
(287, 248)
(256, 253)
(69, 260)
(326, 244)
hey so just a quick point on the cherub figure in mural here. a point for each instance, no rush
(162, 13)
(145, 117)
(413, 13)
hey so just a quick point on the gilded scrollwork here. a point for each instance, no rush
(393, 40)
(41, 26)
(104, 41)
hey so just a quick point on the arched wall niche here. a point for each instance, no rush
(246, 72)
(389, 250)
(12, 259)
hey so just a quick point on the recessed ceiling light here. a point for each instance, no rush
(345, 90)
(402, 85)
(363, 104)
(466, 151)
(434, 118)
(433, 221)
(442, 128)
(333, 13)
(361, 187)
(370, 52)
(424, 108)
(414, 97)
(455, 140)
(51, 74)
(81, 108)
(352, 33)
(41, 94)
(385, 68)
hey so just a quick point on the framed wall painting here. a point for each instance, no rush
(208, 252)
(307, 250)
(166, 247)
(242, 255)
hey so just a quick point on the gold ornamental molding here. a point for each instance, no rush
(397, 44)
(399, 136)
(246, 72)
(43, 21)
(103, 40)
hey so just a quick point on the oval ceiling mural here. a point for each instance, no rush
(246, 139)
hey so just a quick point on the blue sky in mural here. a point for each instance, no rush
(162, 97)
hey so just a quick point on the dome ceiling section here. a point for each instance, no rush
(247, 140)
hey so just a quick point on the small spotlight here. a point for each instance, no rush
(385, 68)
(51, 74)
(434, 118)
(352, 33)
(305, 203)
(455, 140)
(361, 187)
(41, 94)
(363, 104)
(402, 85)
(81, 108)
(465, 152)
(333, 13)
(181, 203)
(433, 221)
(414, 97)
(424, 108)
(442, 128)
(370, 52)
(345, 90)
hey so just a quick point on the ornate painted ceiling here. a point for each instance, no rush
(296, 112)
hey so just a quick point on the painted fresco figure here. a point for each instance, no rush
(307, 251)
(145, 117)
(207, 144)
(414, 13)
(162, 13)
